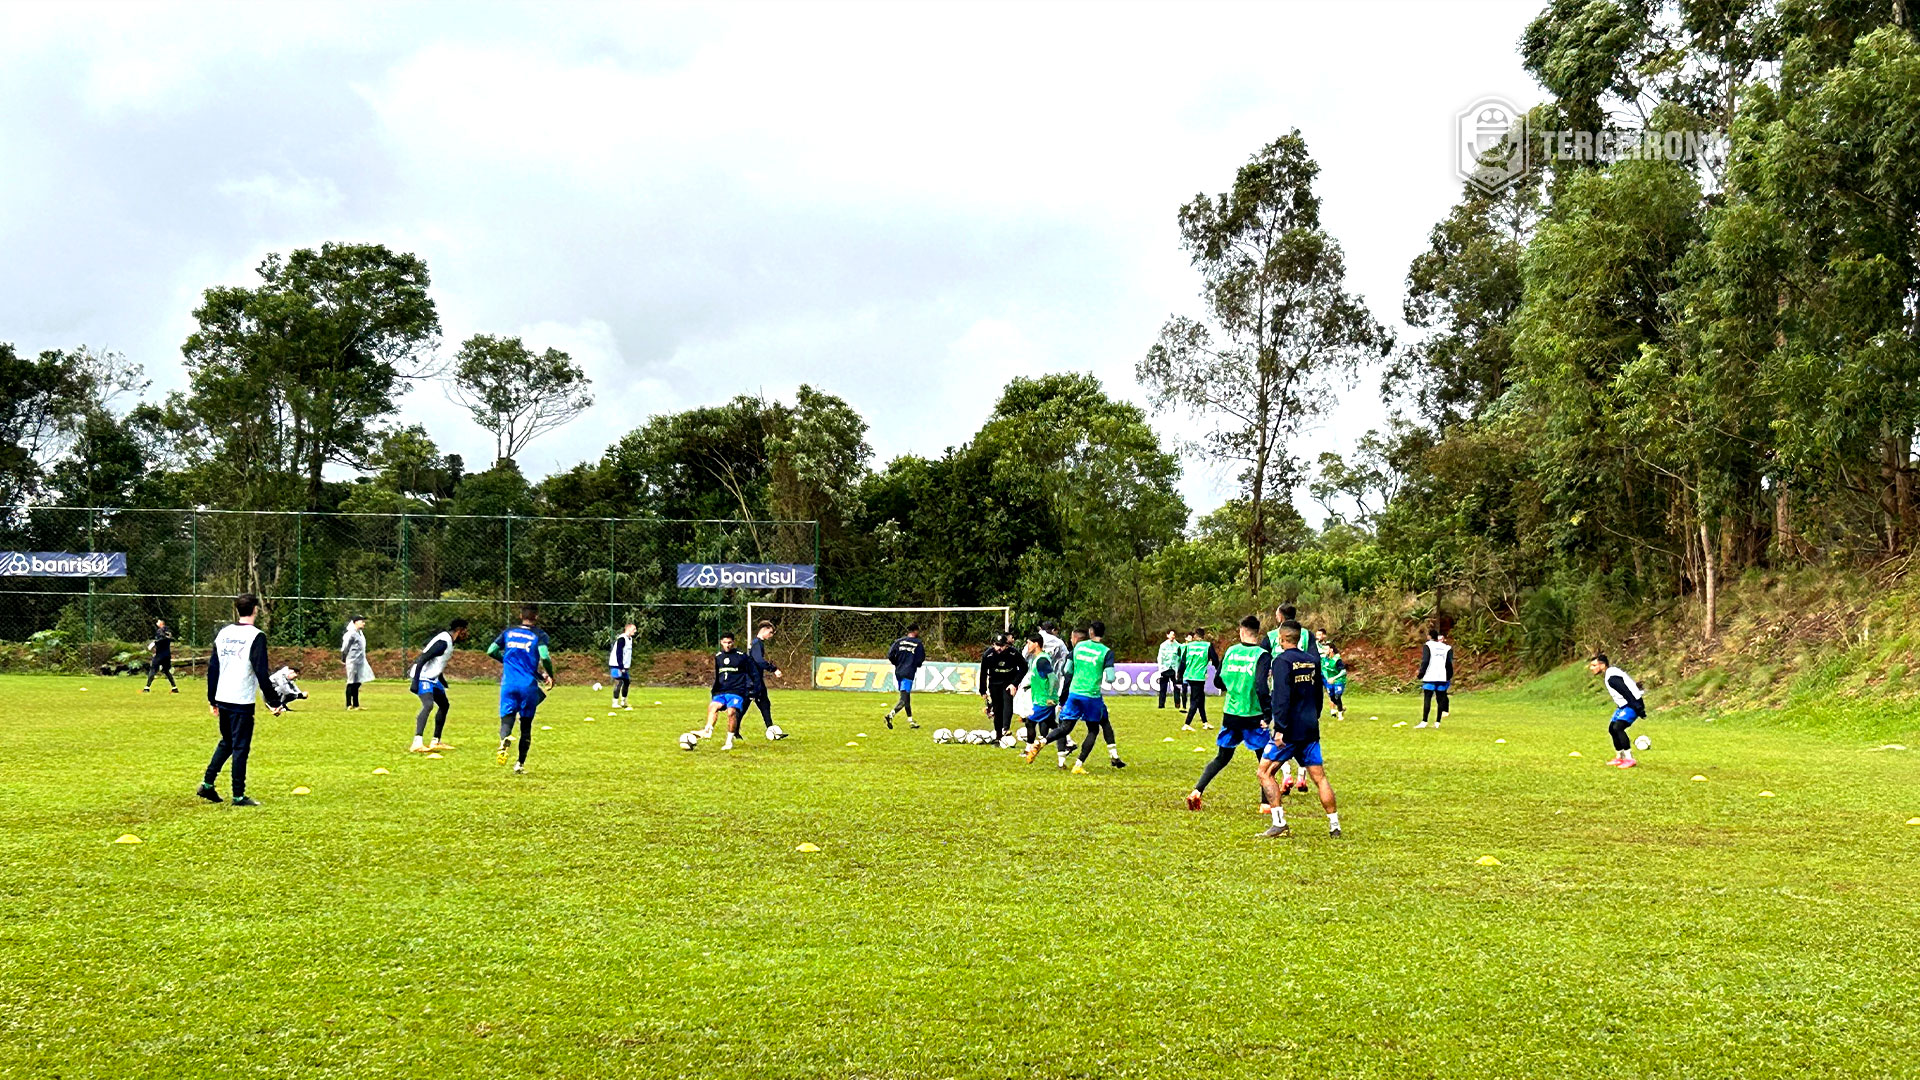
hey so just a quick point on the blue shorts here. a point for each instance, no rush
(1439, 686)
(1091, 710)
(1041, 714)
(906, 685)
(731, 701)
(1255, 739)
(1305, 753)
(426, 687)
(614, 673)
(522, 698)
(1625, 716)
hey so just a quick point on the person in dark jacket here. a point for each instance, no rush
(162, 649)
(762, 667)
(906, 655)
(1001, 669)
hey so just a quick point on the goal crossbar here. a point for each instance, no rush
(1006, 612)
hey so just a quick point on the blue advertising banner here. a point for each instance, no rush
(695, 575)
(63, 564)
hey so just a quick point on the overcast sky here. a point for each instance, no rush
(904, 204)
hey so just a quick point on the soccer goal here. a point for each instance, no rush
(809, 633)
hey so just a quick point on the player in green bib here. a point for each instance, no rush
(1085, 702)
(1169, 676)
(1246, 680)
(1333, 670)
(1196, 656)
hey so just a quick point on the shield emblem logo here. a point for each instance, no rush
(1490, 144)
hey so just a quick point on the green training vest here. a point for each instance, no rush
(1274, 646)
(1195, 652)
(1041, 686)
(1237, 670)
(1329, 671)
(1089, 664)
(1169, 655)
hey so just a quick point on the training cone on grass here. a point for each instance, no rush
(302, 791)
(1913, 821)
(126, 838)
(1574, 753)
(546, 727)
(1766, 794)
(435, 756)
(808, 847)
(379, 772)
(1487, 860)
(853, 744)
(1167, 739)
(1500, 742)
(1399, 723)
(1199, 749)
(1700, 779)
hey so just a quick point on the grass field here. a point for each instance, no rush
(629, 909)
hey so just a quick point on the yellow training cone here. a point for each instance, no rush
(302, 791)
(1400, 723)
(853, 744)
(1500, 742)
(1575, 753)
(379, 772)
(126, 838)
(1913, 821)
(1700, 778)
(861, 735)
(434, 755)
(808, 847)
(546, 727)
(1488, 860)
(1766, 794)
(1199, 749)
(1167, 739)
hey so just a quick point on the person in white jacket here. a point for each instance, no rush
(353, 657)
(1435, 675)
(1629, 704)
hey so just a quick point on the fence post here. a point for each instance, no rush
(300, 577)
(92, 545)
(193, 574)
(406, 585)
(507, 605)
(612, 524)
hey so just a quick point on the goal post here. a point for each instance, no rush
(845, 648)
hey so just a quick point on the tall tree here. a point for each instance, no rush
(1281, 331)
(516, 393)
(298, 372)
(40, 398)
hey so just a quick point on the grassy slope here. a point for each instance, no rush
(630, 909)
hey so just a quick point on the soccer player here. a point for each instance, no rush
(1001, 669)
(353, 657)
(428, 683)
(1282, 615)
(906, 655)
(1086, 702)
(1196, 656)
(236, 679)
(732, 686)
(620, 667)
(1296, 730)
(162, 649)
(1333, 671)
(1169, 659)
(1246, 673)
(526, 666)
(1041, 690)
(1629, 704)
(1436, 675)
(284, 683)
(762, 667)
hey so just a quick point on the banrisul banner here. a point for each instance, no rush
(936, 676)
(63, 564)
(704, 575)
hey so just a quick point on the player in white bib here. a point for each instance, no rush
(1629, 704)
(236, 678)
(1436, 676)
(429, 684)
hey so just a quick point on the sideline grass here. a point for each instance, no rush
(629, 909)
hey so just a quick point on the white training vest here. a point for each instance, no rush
(1437, 652)
(621, 655)
(1607, 680)
(234, 646)
(432, 668)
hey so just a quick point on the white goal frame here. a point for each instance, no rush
(1006, 612)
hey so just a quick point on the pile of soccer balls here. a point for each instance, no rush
(974, 738)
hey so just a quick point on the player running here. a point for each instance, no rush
(620, 666)
(1436, 675)
(1296, 730)
(1195, 657)
(1169, 663)
(906, 655)
(427, 681)
(1085, 700)
(762, 667)
(236, 678)
(1246, 674)
(732, 686)
(1629, 704)
(1333, 671)
(161, 647)
(1040, 692)
(1001, 669)
(526, 666)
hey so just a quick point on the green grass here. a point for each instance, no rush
(628, 909)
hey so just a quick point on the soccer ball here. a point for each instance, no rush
(1642, 743)
(942, 735)
(690, 741)
(982, 737)
(596, 687)
(1008, 742)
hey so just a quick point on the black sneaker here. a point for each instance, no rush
(1116, 763)
(1333, 833)
(208, 793)
(242, 800)
(889, 721)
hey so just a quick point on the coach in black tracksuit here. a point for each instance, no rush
(1001, 669)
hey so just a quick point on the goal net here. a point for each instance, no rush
(845, 648)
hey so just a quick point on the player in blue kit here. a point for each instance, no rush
(526, 666)
(1297, 687)
(734, 674)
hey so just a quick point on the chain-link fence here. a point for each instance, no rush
(407, 573)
